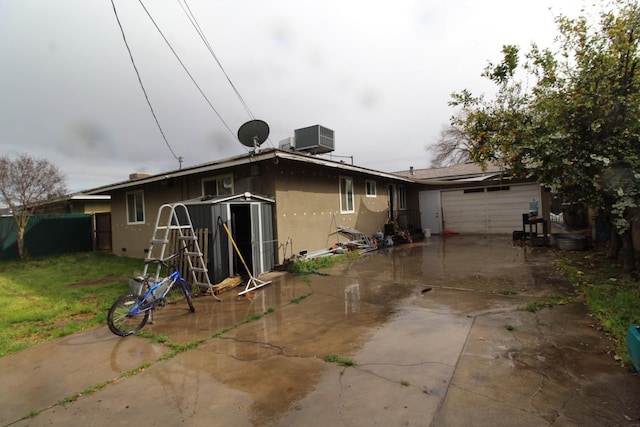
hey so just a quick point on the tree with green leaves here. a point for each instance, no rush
(572, 120)
(25, 182)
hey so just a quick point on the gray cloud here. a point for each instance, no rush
(378, 73)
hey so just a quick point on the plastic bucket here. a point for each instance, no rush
(569, 242)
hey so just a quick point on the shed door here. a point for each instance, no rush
(267, 242)
(252, 229)
(487, 210)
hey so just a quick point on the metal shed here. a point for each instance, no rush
(250, 219)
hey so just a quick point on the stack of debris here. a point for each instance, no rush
(358, 241)
(396, 235)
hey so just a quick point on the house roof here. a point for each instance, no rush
(272, 154)
(463, 172)
(84, 197)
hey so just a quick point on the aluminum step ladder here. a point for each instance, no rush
(174, 230)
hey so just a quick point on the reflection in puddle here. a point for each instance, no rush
(351, 298)
(371, 309)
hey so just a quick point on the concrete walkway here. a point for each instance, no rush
(436, 330)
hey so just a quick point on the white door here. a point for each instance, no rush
(430, 211)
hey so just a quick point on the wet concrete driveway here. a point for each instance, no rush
(437, 331)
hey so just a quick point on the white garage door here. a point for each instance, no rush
(492, 210)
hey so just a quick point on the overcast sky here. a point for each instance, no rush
(379, 73)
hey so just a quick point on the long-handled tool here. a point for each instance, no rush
(252, 283)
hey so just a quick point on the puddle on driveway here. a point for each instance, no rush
(405, 315)
(485, 263)
(372, 310)
(401, 374)
(40, 376)
(401, 313)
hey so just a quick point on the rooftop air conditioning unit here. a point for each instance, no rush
(314, 139)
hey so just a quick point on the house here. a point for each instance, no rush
(281, 202)
(98, 207)
(309, 197)
(75, 203)
(465, 198)
(69, 223)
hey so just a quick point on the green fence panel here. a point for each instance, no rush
(47, 235)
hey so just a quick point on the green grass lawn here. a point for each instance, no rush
(46, 298)
(612, 296)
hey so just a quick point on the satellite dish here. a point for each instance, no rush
(253, 133)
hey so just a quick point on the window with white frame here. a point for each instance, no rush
(402, 197)
(135, 207)
(346, 195)
(370, 187)
(218, 186)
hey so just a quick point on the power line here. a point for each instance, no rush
(133, 62)
(194, 22)
(196, 26)
(185, 69)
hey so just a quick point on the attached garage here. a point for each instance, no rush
(478, 210)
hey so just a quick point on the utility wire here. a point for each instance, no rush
(196, 26)
(179, 159)
(186, 70)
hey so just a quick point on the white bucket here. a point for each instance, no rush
(427, 232)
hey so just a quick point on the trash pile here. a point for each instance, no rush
(358, 241)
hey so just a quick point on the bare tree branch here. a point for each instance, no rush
(24, 182)
(453, 148)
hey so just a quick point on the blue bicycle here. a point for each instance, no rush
(131, 312)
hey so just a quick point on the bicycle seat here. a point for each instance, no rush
(142, 279)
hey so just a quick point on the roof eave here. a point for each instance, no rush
(243, 160)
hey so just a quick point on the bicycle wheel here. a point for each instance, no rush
(121, 321)
(184, 288)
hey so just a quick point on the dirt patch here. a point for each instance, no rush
(77, 318)
(100, 281)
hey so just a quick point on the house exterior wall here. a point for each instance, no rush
(306, 211)
(95, 207)
(74, 207)
(307, 207)
(132, 240)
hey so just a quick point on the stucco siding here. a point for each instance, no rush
(308, 208)
(132, 240)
